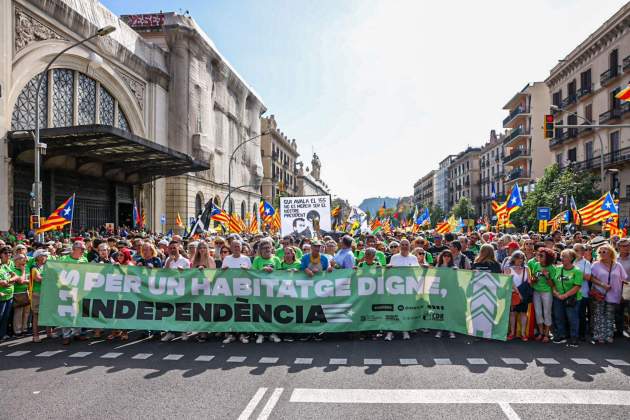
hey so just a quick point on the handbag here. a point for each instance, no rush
(516, 298)
(571, 301)
(596, 294)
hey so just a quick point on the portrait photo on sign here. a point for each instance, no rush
(303, 216)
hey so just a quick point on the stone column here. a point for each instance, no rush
(179, 91)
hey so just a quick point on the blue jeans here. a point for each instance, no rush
(5, 310)
(584, 322)
(562, 314)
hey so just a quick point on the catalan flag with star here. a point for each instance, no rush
(60, 217)
(597, 211)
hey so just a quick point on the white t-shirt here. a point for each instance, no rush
(585, 267)
(398, 260)
(181, 262)
(240, 262)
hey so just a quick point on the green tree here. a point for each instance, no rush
(554, 185)
(437, 214)
(463, 209)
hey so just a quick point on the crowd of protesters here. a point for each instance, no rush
(577, 284)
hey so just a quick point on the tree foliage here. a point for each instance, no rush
(437, 214)
(554, 189)
(463, 209)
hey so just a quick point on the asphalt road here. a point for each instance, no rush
(336, 378)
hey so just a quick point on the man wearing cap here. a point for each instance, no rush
(314, 262)
(76, 256)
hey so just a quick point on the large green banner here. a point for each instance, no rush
(394, 299)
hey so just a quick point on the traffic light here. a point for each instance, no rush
(549, 126)
(34, 222)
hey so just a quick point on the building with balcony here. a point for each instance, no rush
(441, 184)
(526, 153)
(423, 191)
(583, 85)
(279, 158)
(491, 172)
(464, 178)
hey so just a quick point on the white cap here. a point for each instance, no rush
(40, 252)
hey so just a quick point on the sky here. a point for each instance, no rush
(383, 90)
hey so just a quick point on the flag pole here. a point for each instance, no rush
(72, 219)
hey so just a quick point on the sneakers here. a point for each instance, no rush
(424, 330)
(230, 338)
(274, 337)
(451, 335)
(243, 339)
(574, 342)
(167, 337)
(389, 336)
(438, 334)
(559, 340)
(260, 338)
(406, 335)
(185, 336)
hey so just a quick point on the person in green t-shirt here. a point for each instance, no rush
(290, 262)
(567, 283)
(369, 259)
(370, 242)
(77, 256)
(543, 272)
(37, 272)
(6, 299)
(266, 261)
(288, 241)
(21, 302)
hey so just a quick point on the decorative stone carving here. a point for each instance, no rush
(29, 30)
(136, 87)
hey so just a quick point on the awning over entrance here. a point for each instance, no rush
(109, 151)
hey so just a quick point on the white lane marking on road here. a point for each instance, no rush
(173, 357)
(80, 354)
(49, 353)
(204, 358)
(442, 361)
(142, 356)
(372, 362)
(583, 361)
(547, 361)
(512, 361)
(236, 359)
(271, 403)
(131, 343)
(111, 355)
(509, 411)
(91, 343)
(408, 362)
(618, 362)
(18, 353)
(338, 362)
(303, 361)
(251, 405)
(268, 360)
(461, 396)
(477, 361)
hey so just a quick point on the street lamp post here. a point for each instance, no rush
(229, 194)
(40, 147)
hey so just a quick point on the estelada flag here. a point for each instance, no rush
(60, 217)
(624, 94)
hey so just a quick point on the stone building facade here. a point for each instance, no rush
(279, 157)
(526, 149)
(423, 191)
(582, 87)
(464, 178)
(213, 114)
(491, 172)
(151, 113)
(309, 181)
